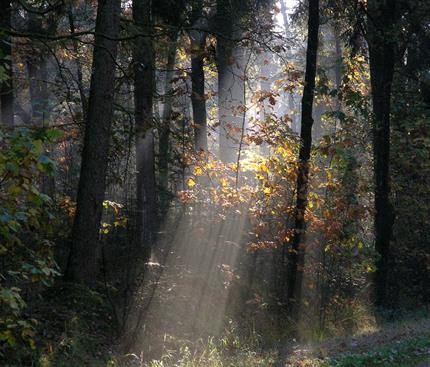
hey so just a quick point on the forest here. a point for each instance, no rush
(208, 183)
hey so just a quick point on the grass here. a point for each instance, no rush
(75, 328)
(402, 344)
(402, 353)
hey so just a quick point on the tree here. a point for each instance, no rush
(143, 55)
(382, 21)
(82, 265)
(297, 251)
(165, 129)
(229, 60)
(198, 41)
(37, 69)
(6, 81)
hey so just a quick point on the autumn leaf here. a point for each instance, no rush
(191, 182)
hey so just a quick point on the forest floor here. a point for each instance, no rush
(79, 331)
(72, 338)
(403, 343)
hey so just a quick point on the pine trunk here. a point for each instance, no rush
(83, 262)
(230, 81)
(297, 251)
(6, 85)
(145, 158)
(382, 49)
(164, 131)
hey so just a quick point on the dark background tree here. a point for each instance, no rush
(383, 18)
(143, 91)
(297, 253)
(83, 259)
(6, 86)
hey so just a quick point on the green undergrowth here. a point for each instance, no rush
(414, 352)
(74, 328)
(391, 346)
(402, 353)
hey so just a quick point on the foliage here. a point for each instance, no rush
(26, 224)
(77, 327)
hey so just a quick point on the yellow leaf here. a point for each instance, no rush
(191, 182)
(263, 167)
(198, 171)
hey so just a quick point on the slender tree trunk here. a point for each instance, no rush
(79, 80)
(145, 166)
(39, 95)
(37, 68)
(38, 76)
(297, 251)
(6, 84)
(164, 148)
(230, 80)
(198, 101)
(284, 14)
(382, 55)
(290, 98)
(82, 266)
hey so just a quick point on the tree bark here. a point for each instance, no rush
(78, 61)
(145, 160)
(6, 85)
(164, 147)
(83, 264)
(230, 80)
(198, 101)
(37, 69)
(297, 251)
(39, 95)
(382, 54)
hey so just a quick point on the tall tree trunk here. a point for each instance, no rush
(6, 84)
(82, 266)
(38, 76)
(382, 55)
(284, 15)
(39, 95)
(78, 62)
(297, 252)
(164, 147)
(230, 80)
(143, 90)
(37, 68)
(198, 101)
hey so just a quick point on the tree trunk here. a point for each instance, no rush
(145, 166)
(198, 101)
(230, 81)
(37, 69)
(82, 266)
(39, 95)
(297, 251)
(6, 84)
(164, 147)
(284, 15)
(198, 95)
(78, 62)
(382, 54)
